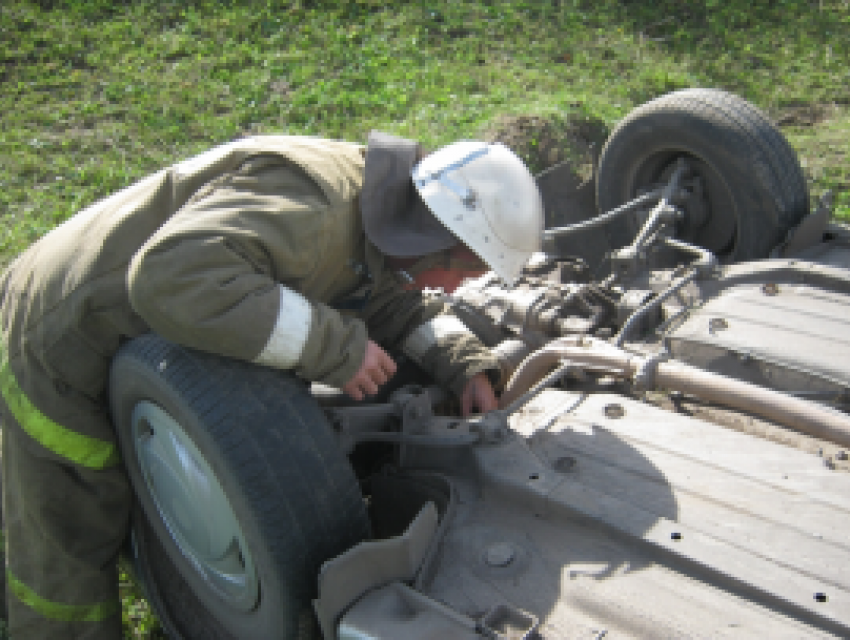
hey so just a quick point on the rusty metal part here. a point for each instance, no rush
(705, 261)
(796, 413)
(631, 259)
(535, 305)
(550, 379)
(654, 303)
(664, 207)
(510, 353)
(412, 405)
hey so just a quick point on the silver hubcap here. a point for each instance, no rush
(191, 503)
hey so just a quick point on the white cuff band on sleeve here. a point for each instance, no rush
(289, 335)
(427, 334)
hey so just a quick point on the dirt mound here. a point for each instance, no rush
(802, 115)
(544, 141)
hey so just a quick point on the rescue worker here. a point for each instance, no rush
(269, 249)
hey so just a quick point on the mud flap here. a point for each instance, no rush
(371, 564)
(809, 232)
(398, 611)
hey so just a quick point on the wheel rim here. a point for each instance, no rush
(190, 501)
(711, 217)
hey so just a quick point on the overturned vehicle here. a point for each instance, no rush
(670, 457)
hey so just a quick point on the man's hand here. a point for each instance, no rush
(478, 394)
(376, 369)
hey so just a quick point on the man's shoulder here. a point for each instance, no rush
(300, 149)
(335, 165)
(306, 144)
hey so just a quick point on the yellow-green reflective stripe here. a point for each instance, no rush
(93, 453)
(58, 611)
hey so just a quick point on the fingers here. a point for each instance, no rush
(466, 404)
(487, 399)
(369, 383)
(377, 368)
(353, 390)
(360, 386)
(478, 394)
(385, 365)
(377, 375)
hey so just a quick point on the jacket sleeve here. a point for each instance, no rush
(437, 341)
(222, 275)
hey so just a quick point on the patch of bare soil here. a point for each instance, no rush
(802, 115)
(819, 133)
(543, 142)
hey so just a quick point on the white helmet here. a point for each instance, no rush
(486, 196)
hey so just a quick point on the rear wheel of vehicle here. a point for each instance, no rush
(242, 490)
(745, 188)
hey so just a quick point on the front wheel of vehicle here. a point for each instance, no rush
(242, 491)
(744, 188)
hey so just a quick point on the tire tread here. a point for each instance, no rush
(241, 406)
(739, 126)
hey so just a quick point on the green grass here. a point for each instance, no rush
(137, 619)
(97, 94)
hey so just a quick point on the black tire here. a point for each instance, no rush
(4, 613)
(754, 190)
(268, 445)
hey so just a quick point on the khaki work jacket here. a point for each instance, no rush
(197, 252)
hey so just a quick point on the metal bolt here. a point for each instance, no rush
(614, 411)
(770, 289)
(564, 464)
(499, 554)
(717, 324)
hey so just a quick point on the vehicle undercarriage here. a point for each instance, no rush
(670, 457)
